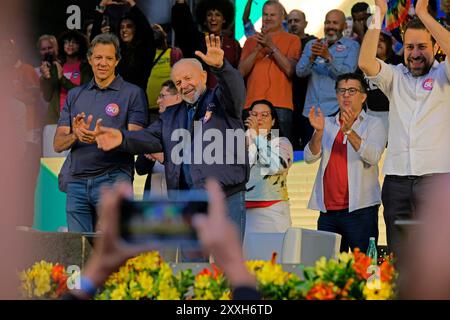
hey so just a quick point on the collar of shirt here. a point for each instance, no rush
(115, 85)
(434, 66)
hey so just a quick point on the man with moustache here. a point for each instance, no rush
(324, 60)
(418, 149)
(350, 145)
(201, 112)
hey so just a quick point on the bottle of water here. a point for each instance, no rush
(372, 251)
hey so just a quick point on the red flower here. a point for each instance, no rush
(57, 272)
(62, 286)
(321, 291)
(205, 271)
(216, 271)
(361, 264)
(387, 271)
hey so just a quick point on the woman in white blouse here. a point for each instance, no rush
(270, 158)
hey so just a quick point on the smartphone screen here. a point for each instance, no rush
(163, 222)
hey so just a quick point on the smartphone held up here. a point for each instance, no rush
(164, 223)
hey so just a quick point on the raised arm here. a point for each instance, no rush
(367, 56)
(246, 14)
(313, 150)
(439, 33)
(231, 89)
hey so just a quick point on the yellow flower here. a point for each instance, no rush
(271, 274)
(381, 292)
(119, 293)
(226, 295)
(167, 291)
(42, 284)
(202, 281)
(345, 257)
(146, 283)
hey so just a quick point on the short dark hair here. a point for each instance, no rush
(360, 7)
(105, 38)
(416, 24)
(273, 112)
(170, 86)
(352, 76)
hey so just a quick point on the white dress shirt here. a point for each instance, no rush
(419, 119)
(362, 165)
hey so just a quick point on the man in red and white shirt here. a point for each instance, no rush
(350, 144)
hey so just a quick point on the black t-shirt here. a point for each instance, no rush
(376, 100)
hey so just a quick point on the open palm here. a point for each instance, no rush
(214, 54)
(317, 120)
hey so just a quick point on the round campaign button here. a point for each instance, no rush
(428, 84)
(112, 109)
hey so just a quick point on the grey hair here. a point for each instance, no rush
(105, 38)
(192, 61)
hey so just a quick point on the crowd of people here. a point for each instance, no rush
(120, 91)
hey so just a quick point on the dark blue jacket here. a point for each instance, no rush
(223, 108)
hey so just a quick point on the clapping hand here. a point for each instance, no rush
(347, 117)
(80, 128)
(317, 120)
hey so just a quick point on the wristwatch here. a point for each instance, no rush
(348, 132)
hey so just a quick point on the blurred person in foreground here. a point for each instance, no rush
(218, 235)
(427, 257)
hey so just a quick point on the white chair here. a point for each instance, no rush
(307, 246)
(47, 142)
(260, 246)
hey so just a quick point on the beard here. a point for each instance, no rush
(334, 37)
(420, 71)
(193, 99)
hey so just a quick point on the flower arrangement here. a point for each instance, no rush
(273, 282)
(352, 276)
(44, 280)
(211, 285)
(146, 276)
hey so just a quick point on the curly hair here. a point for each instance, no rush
(223, 6)
(79, 38)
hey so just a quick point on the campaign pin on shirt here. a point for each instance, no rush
(428, 84)
(208, 113)
(112, 109)
(340, 48)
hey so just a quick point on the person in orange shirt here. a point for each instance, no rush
(268, 62)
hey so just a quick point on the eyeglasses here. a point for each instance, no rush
(351, 91)
(264, 114)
